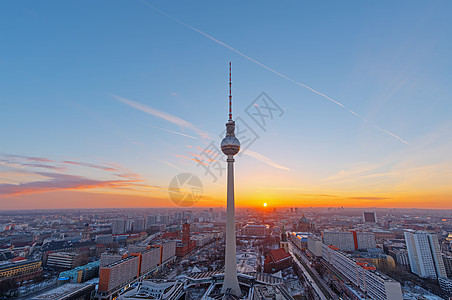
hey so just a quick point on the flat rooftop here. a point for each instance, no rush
(63, 291)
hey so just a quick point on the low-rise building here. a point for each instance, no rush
(277, 260)
(70, 291)
(256, 230)
(20, 270)
(64, 260)
(400, 256)
(153, 290)
(300, 239)
(80, 274)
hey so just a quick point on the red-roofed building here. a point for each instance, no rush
(277, 260)
(171, 235)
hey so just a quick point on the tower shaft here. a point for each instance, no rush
(231, 283)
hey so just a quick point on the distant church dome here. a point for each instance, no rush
(304, 220)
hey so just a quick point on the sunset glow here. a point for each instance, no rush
(108, 116)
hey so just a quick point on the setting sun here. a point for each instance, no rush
(265, 204)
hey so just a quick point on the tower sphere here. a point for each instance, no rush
(230, 145)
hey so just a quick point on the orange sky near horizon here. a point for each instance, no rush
(92, 199)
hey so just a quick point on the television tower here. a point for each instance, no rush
(230, 146)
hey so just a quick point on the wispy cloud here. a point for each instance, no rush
(273, 70)
(89, 165)
(368, 198)
(318, 195)
(27, 158)
(157, 113)
(30, 178)
(265, 159)
(52, 164)
(58, 182)
(353, 171)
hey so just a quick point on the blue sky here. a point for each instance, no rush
(64, 65)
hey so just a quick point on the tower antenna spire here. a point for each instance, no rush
(230, 93)
(230, 146)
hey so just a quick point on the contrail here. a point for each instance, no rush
(271, 70)
(175, 132)
(265, 160)
(160, 114)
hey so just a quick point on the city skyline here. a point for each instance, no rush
(106, 113)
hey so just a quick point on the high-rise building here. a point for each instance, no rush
(187, 215)
(340, 239)
(167, 252)
(230, 146)
(447, 259)
(165, 219)
(150, 220)
(150, 259)
(178, 215)
(118, 273)
(118, 226)
(363, 275)
(138, 225)
(369, 217)
(109, 258)
(349, 240)
(425, 254)
(128, 225)
(364, 240)
(314, 246)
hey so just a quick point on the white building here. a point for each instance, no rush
(108, 258)
(202, 239)
(139, 224)
(364, 276)
(118, 226)
(67, 260)
(340, 239)
(349, 240)
(315, 245)
(425, 254)
(366, 240)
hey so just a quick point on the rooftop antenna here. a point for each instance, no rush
(230, 94)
